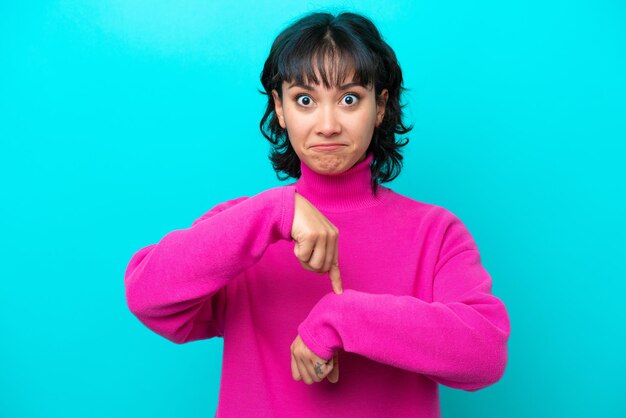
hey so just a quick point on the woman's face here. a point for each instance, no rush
(329, 129)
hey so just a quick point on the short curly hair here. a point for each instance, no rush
(350, 43)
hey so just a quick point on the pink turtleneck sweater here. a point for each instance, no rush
(417, 307)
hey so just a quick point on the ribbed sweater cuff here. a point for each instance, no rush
(319, 331)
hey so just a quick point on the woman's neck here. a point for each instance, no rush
(342, 192)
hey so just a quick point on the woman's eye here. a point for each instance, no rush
(350, 99)
(304, 100)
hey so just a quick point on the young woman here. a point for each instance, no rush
(335, 296)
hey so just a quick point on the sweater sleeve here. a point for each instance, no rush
(176, 287)
(459, 339)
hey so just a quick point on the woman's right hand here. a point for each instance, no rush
(316, 241)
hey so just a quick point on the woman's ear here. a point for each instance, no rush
(381, 105)
(278, 108)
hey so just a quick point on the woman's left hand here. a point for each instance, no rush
(305, 365)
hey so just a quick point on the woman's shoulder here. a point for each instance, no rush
(422, 211)
(414, 205)
(274, 194)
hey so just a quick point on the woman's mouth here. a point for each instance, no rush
(327, 147)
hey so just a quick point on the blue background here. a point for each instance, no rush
(122, 120)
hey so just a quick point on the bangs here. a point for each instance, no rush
(326, 58)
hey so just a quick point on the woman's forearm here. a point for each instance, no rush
(173, 287)
(462, 344)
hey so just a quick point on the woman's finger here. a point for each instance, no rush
(333, 376)
(306, 266)
(320, 369)
(335, 276)
(319, 253)
(316, 369)
(297, 362)
(294, 369)
(331, 245)
(304, 250)
(304, 372)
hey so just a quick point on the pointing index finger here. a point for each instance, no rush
(335, 276)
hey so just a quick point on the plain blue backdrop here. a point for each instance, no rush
(122, 120)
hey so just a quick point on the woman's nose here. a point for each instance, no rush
(328, 122)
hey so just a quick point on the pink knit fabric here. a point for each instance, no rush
(417, 307)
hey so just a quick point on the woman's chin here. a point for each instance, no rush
(328, 165)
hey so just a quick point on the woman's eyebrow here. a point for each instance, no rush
(310, 88)
(304, 86)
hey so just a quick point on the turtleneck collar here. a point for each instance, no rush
(340, 192)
